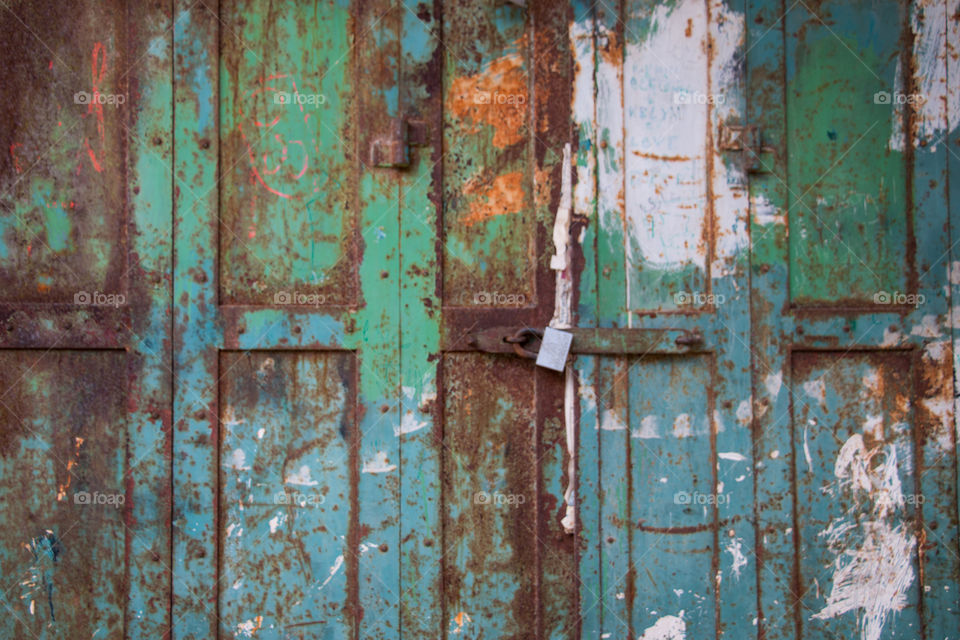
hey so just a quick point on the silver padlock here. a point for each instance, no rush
(554, 349)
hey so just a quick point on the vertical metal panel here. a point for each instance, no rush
(286, 449)
(377, 60)
(422, 549)
(855, 409)
(489, 232)
(886, 293)
(849, 236)
(195, 339)
(84, 256)
(65, 223)
(489, 497)
(670, 251)
(288, 220)
(64, 543)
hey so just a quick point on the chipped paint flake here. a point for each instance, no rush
(277, 521)
(649, 428)
(929, 327)
(773, 383)
(611, 421)
(378, 464)
(249, 628)
(301, 477)
(816, 390)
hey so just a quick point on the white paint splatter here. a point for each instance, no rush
(250, 627)
(682, 426)
(277, 521)
(237, 460)
(873, 569)
(666, 628)
(735, 549)
(611, 421)
(773, 383)
(731, 455)
(301, 477)
(938, 101)
(649, 428)
(378, 464)
(765, 212)
(409, 424)
(817, 390)
(666, 191)
(333, 571)
(953, 272)
(891, 338)
(745, 412)
(929, 327)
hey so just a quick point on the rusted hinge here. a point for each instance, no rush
(748, 142)
(393, 149)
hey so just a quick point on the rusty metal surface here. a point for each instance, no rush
(85, 244)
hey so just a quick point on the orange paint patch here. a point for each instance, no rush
(504, 196)
(461, 619)
(497, 96)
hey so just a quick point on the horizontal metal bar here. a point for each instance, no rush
(600, 341)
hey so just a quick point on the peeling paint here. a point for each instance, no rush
(378, 464)
(666, 628)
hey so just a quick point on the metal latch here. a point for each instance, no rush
(583, 341)
(748, 142)
(393, 149)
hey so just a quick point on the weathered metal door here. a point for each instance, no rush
(355, 197)
(855, 445)
(775, 175)
(85, 371)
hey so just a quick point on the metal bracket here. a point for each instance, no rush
(393, 150)
(748, 142)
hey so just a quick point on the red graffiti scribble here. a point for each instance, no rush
(13, 154)
(94, 106)
(281, 167)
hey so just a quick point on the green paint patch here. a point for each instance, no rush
(847, 214)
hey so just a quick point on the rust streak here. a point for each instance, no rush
(654, 156)
(497, 96)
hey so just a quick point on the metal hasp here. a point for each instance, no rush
(746, 140)
(588, 341)
(393, 150)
